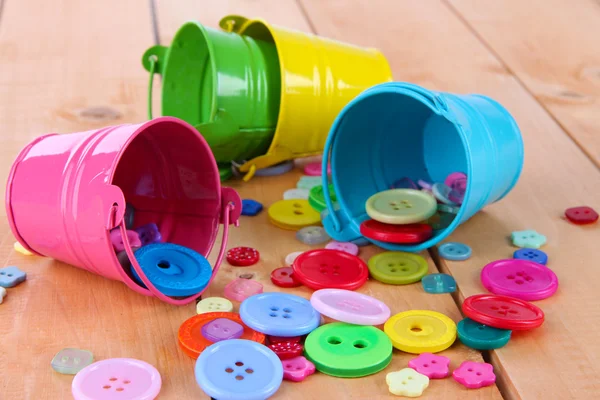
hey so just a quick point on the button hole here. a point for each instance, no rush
(239, 364)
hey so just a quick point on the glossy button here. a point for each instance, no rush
(455, 251)
(420, 331)
(581, 215)
(438, 283)
(242, 256)
(348, 351)
(406, 382)
(315, 169)
(534, 255)
(474, 375)
(71, 361)
(522, 279)
(149, 234)
(309, 182)
(117, 240)
(293, 214)
(431, 365)
(240, 289)
(457, 181)
(222, 329)
(117, 379)
(440, 220)
(397, 268)
(448, 209)
(424, 184)
(11, 276)
(287, 349)
(528, 238)
(251, 207)
(351, 307)
(347, 247)
(503, 312)
(297, 369)
(312, 235)
(443, 193)
(320, 269)
(290, 258)
(22, 250)
(238, 370)
(481, 337)
(284, 277)
(316, 198)
(279, 314)
(213, 304)
(401, 206)
(388, 233)
(292, 194)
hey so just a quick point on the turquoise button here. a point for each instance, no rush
(481, 337)
(438, 283)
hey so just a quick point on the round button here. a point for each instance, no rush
(213, 304)
(424, 184)
(398, 268)
(242, 256)
(581, 215)
(503, 312)
(174, 270)
(290, 258)
(401, 206)
(481, 337)
(347, 247)
(320, 269)
(117, 378)
(279, 314)
(239, 369)
(348, 351)
(316, 199)
(284, 277)
(443, 193)
(522, 279)
(295, 194)
(312, 235)
(455, 251)
(534, 255)
(388, 233)
(457, 181)
(191, 340)
(351, 307)
(315, 169)
(293, 214)
(420, 331)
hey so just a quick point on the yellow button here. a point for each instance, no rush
(401, 206)
(20, 249)
(420, 331)
(407, 382)
(214, 304)
(397, 268)
(293, 214)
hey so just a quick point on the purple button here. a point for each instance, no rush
(222, 329)
(149, 234)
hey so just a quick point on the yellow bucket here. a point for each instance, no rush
(319, 77)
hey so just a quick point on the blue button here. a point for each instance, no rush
(174, 270)
(455, 251)
(279, 314)
(481, 337)
(239, 369)
(251, 207)
(438, 283)
(11, 276)
(534, 255)
(278, 169)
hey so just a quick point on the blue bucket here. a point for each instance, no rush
(396, 130)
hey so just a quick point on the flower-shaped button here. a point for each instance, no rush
(443, 193)
(431, 365)
(240, 289)
(222, 329)
(293, 214)
(22, 250)
(534, 255)
(409, 233)
(295, 194)
(522, 279)
(117, 240)
(581, 215)
(297, 369)
(438, 283)
(284, 277)
(401, 206)
(312, 235)
(351, 307)
(149, 234)
(397, 268)
(321, 268)
(407, 382)
(420, 331)
(528, 238)
(481, 337)
(455, 251)
(251, 207)
(347, 247)
(242, 256)
(71, 361)
(309, 182)
(474, 375)
(11, 276)
(213, 304)
(2, 294)
(287, 349)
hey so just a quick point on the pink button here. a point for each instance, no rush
(297, 369)
(347, 247)
(314, 169)
(117, 240)
(240, 289)
(351, 307)
(431, 365)
(523, 279)
(117, 379)
(474, 375)
(457, 181)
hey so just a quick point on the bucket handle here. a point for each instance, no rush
(151, 60)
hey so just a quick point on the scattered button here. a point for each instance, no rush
(431, 365)
(293, 214)
(242, 256)
(213, 304)
(581, 215)
(20, 249)
(287, 349)
(528, 238)
(290, 258)
(71, 361)
(296, 194)
(398, 268)
(388, 233)
(455, 251)
(481, 337)
(2, 294)
(401, 206)
(312, 235)
(251, 207)
(424, 184)
(534, 255)
(457, 181)
(284, 277)
(503, 312)
(351, 307)
(443, 193)
(404, 183)
(316, 198)
(11, 276)
(522, 279)
(277, 339)
(308, 182)
(420, 331)
(117, 240)
(407, 382)
(297, 369)
(347, 247)
(315, 169)
(438, 283)
(474, 375)
(149, 234)
(320, 269)
(222, 329)
(240, 289)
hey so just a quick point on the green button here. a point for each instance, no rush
(401, 206)
(348, 351)
(481, 337)
(316, 198)
(398, 268)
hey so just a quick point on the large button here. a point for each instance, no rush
(534, 255)
(388, 233)
(398, 268)
(503, 312)
(522, 279)
(401, 206)
(455, 251)
(481, 337)
(350, 307)
(293, 214)
(320, 269)
(316, 198)
(239, 370)
(420, 331)
(348, 351)
(279, 314)
(117, 379)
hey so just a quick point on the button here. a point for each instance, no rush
(280, 314)
(455, 251)
(346, 247)
(457, 181)
(222, 329)
(284, 277)
(438, 283)
(397, 268)
(278, 169)
(445, 208)
(420, 331)
(71, 361)
(117, 240)
(388, 233)
(2, 294)
(404, 183)
(481, 337)
(290, 258)
(351, 307)
(174, 270)
(251, 207)
(149, 234)
(503, 312)
(240, 289)
(581, 215)
(11, 276)
(277, 339)
(528, 238)
(315, 169)
(443, 193)
(320, 269)
(20, 249)
(287, 349)
(534, 255)
(309, 182)
(212, 304)
(312, 235)
(238, 369)
(297, 369)
(424, 184)
(296, 194)
(440, 220)
(431, 365)
(401, 206)
(522, 279)
(117, 378)
(242, 256)
(348, 351)
(293, 214)
(474, 375)
(406, 382)
(316, 198)
(129, 216)
(190, 336)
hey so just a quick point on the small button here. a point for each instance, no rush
(388, 233)
(315, 169)
(457, 182)
(528, 238)
(251, 207)
(431, 365)
(420, 331)
(401, 206)
(284, 277)
(347, 247)
(242, 256)
(297, 369)
(581, 215)
(287, 349)
(474, 375)
(149, 234)
(222, 329)
(320, 269)
(117, 240)
(2, 294)
(398, 268)
(503, 312)
(22, 250)
(316, 198)
(404, 183)
(290, 258)
(455, 251)
(11, 276)
(351, 307)
(534, 255)
(438, 283)
(443, 193)
(312, 235)
(308, 182)
(71, 361)
(278, 169)
(522, 279)
(240, 289)
(293, 214)
(296, 194)
(407, 382)
(481, 337)
(213, 304)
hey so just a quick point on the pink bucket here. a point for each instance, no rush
(66, 192)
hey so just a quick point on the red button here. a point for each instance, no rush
(284, 277)
(581, 215)
(242, 256)
(322, 268)
(503, 312)
(410, 233)
(287, 349)
(277, 339)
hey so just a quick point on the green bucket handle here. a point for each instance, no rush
(151, 60)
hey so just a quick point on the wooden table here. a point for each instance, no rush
(70, 65)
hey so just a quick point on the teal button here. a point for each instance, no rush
(481, 337)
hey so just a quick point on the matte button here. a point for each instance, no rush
(401, 206)
(398, 268)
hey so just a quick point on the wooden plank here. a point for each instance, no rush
(552, 47)
(430, 46)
